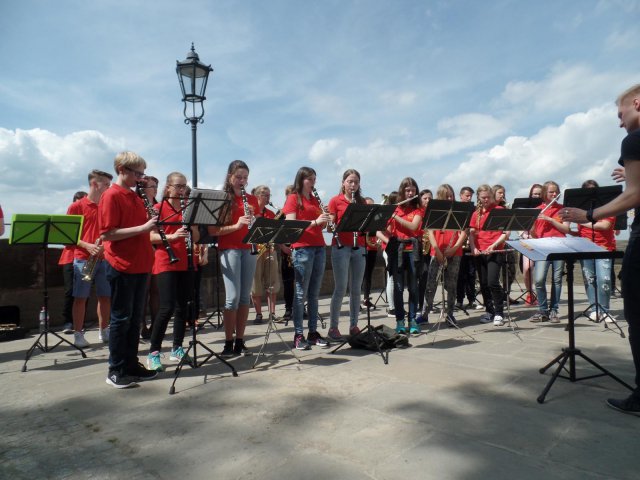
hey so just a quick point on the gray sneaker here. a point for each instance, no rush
(79, 340)
(539, 317)
(553, 317)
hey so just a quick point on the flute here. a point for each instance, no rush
(152, 213)
(550, 203)
(330, 226)
(407, 200)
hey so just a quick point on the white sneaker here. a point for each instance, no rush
(593, 316)
(498, 321)
(79, 340)
(608, 318)
(103, 335)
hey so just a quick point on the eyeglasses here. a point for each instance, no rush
(178, 186)
(135, 172)
(151, 187)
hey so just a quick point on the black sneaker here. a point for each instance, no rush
(140, 373)
(258, 320)
(240, 348)
(227, 351)
(630, 405)
(299, 343)
(120, 381)
(316, 339)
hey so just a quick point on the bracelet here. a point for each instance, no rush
(590, 216)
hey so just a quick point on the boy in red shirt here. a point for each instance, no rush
(124, 228)
(89, 246)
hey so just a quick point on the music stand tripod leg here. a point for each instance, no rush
(271, 327)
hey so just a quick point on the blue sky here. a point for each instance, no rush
(463, 92)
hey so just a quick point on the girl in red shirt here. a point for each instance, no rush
(597, 273)
(349, 261)
(484, 244)
(308, 256)
(403, 252)
(174, 280)
(527, 265)
(446, 251)
(237, 263)
(549, 225)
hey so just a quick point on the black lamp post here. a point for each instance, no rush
(193, 76)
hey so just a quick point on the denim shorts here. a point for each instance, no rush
(82, 289)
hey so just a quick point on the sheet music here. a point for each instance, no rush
(538, 249)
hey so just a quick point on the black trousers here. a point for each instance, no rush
(630, 289)
(370, 264)
(174, 288)
(489, 267)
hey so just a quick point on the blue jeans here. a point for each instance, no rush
(348, 269)
(238, 267)
(598, 272)
(128, 297)
(308, 265)
(540, 277)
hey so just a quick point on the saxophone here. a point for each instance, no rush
(426, 244)
(89, 268)
(262, 247)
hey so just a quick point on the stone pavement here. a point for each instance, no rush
(445, 409)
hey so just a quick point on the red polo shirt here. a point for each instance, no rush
(485, 238)
(90, 229)
(179, 246)
(604, 238)
(234, 239)
(121, 207)
(309, 211)
(337, 206)
(544, 229)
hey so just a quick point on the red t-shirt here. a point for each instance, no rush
(337, 206)
(179, 246)
(121, 207)
(444, 239)
(485, 238)
(604, 238)
(234, 239)
(408, 213)
(309, 211)
(66, 257)
(90, 230)
(544, 229)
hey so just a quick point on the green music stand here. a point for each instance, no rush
(45, 230)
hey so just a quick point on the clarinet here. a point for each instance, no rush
(152, 213)
(188, 237)
(355, 234)
(331, 227)
(247, 211)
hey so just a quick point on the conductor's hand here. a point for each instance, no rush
(619, 174)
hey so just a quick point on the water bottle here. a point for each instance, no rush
(42, 318)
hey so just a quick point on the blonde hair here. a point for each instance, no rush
(128, 160)
(631, 91)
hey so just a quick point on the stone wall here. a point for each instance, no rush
(22, 282)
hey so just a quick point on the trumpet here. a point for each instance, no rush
(89, 268)
(330, 226)
(247, 211)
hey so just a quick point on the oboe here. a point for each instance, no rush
(330, 225)
(247, 212)
(152, 213)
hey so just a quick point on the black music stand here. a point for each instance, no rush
(273, 231)
(363, 219)
(446, 215)
(591, 198)
(569, 250)
(505, 219)
(45, 230)
(206, 208)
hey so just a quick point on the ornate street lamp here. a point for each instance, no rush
(193, 76)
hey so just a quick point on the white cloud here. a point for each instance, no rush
(323, 150)
(40, 170)
(573, 87)
(586, 145)
(399, 99)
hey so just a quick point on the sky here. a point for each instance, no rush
(460, 92)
